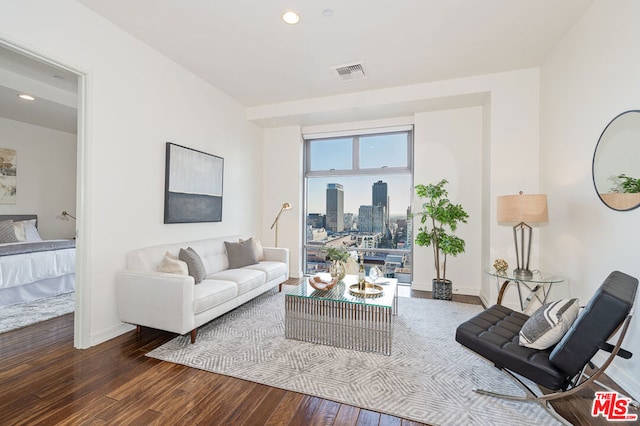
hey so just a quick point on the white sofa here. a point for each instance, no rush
(175, 303)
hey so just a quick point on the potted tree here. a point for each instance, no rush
(439, 220)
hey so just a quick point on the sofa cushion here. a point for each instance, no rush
(172, 265)
(194, 263)
(246, 279)
(272, 269)
(241, 254)
(548, 324)
(211, 293)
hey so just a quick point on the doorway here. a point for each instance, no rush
(56, 113)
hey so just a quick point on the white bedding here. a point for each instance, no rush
(21, 269)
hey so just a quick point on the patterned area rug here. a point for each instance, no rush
(428, 378)
(24, 314)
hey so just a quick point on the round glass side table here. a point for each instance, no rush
(531, 285)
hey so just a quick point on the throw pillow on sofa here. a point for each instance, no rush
(173, 265)
(241, 254)
(548, 324)
(257, 247)
(194, 264)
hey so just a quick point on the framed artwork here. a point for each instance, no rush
(193, 186)
(8, 173)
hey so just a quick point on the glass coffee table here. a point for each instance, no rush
(336, 317)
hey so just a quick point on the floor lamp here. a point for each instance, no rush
(522, 209)
(285, 206)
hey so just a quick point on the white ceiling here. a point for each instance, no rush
(243, 48)
(55, 90)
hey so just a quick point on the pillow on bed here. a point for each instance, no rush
(30, 231)
(173, 265)
(7, 232)
(19, 229)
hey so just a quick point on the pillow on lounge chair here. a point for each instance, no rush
(548, 324)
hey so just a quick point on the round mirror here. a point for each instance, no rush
(616, 164)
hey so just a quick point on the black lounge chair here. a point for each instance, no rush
(494, 334)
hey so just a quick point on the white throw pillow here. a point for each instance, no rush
(172, 265)
(548, 324)
(18, 228)
(29, 231)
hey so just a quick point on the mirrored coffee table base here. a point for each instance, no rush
(337, 318)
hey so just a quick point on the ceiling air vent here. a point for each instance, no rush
(350, 72)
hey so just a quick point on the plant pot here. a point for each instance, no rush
(441, 289)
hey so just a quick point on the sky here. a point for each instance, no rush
(374, 152)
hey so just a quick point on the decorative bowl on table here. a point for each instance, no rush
(323, 281)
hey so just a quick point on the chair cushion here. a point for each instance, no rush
(549, 323)
(606, 310)
(494, 334)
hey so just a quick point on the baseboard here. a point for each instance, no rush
(111, 333)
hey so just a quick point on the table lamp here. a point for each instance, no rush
(285, 206)
(523, 210)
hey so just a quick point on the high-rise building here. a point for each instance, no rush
(335, 208)
(379, 194)
(379, 197)
(365, 219)
(371, 219)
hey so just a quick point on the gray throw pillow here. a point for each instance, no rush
(548, 324)
(241, 254)
(7, 232)
(194, 264)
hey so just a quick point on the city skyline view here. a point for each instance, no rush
(358, 192)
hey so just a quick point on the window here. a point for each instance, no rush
(358, 190)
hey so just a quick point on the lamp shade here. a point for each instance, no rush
(527, 208)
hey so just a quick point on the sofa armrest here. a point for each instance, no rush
(156, 300)
(276, 254)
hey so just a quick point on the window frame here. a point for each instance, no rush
(354, 171)
(355, 167)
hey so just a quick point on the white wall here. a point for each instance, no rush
(46, 175)
(491, 142)
(445, 149)
(137, 100)
(592, 75)
(282, 161)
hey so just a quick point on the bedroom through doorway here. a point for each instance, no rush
(39, 158)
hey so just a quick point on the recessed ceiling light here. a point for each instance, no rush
(291, 17)
(26, 97)
(327, 13)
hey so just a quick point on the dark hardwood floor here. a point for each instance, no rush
(45, 381)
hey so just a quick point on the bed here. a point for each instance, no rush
(31, 268)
